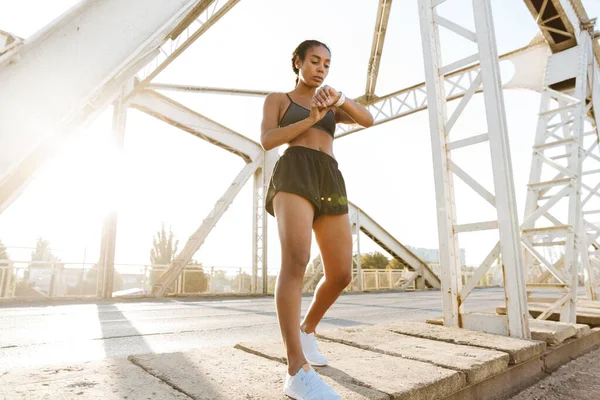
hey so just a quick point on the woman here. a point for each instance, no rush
(307, 192)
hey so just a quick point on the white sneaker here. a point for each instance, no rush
(311, 349)
(308, 385)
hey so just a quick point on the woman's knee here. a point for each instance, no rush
(295, 262)
(341, 279)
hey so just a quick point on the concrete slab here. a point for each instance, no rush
(588, 303)
(582, 330)
(518, 350)
(585, 315)
(476, 363)
(107, 380)
(228, 373)
(551, 332)
(400, 378)
(538, 331)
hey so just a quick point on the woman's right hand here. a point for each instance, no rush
(316, 113)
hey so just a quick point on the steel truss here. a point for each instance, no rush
(188, 20)
(564, 167)
(445, 169)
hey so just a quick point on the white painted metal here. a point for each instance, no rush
(381, 23)
(8, 44)
(392, 246)
(39, 79)
(106, 262)
(506, 205)
(204, 89)
(259, 220)
(486, 78)
(436, 96)
(529, 63)
(190, 121)
(204, 15)
(197, 239)
(258, 226)
(357, 258)
(561, 126)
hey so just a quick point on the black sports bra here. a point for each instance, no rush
(295, 112)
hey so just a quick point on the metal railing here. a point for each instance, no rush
(27, 279)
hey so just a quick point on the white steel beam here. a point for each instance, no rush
(204, 15)
(197, 239)
(486, 78)
(178, 115)
(392, 246)
(259, 222)
(8, 44)
(204, 89)
(529, 65)
(106, 262)
(446, 212)
(563, 115)
(381, 23)
(355, 221)
(46, 94)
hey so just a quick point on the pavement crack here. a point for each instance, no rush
(161, 378)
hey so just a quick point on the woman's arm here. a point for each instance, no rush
(350, 112)
(272, 136)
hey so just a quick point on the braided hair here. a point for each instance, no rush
(300, 53)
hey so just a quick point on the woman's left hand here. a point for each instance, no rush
(326, 97)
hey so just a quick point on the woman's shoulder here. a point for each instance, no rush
(276, 99)
(278, 96)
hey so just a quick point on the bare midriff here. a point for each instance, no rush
(315, 139)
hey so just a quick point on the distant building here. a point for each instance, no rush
(432, 256)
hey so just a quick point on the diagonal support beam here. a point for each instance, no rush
(64, 95)
(383, 16)
(199, 20)
(392, 246)
(529, 64)
(197, 239)
(178, 115)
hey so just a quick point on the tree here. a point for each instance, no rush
(163, 252)
(42, 256)
(374, 260)
(4, 257)
(164, 249)
(395, 264)
(195, 280)
(243, 282)
(88, 285)
(42, 268)
(4, 271)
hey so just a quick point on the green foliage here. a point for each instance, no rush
(164, 248)
(88, 285)
(42, 256)
(5, 288)
(163, 252)
(374, 260)
(195, 280)
(395, 264)
(4, 257)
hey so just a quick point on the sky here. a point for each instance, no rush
(172, 177)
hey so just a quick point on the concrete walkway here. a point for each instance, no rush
(406, 360)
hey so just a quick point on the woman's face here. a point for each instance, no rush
(315, 67)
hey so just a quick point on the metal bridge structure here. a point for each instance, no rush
(46, 97)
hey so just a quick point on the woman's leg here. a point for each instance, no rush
(294, 222)
(334, 238)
